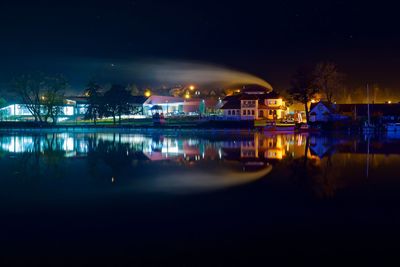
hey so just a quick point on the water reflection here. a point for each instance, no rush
(152, 162)
(190, 163)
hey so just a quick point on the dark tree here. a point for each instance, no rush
(95, 102)
(328, 79)
(29, 90)
(3, 103)
(42, 95)
(116, 102)
(53, 97)
(303, 88)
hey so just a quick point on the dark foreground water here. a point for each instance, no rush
(192, 199)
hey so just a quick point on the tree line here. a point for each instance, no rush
(44, 97)
(115, 102)
(310, 81)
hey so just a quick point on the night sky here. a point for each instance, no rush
(266, 38)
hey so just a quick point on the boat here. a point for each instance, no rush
(368, 126)
(274, 126)
(280, 127)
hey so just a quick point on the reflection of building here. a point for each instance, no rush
(52, 142)
(255, 148)
(265, 148)
(254, 103)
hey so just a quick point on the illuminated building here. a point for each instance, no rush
(254, 103)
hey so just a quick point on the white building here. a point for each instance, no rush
(254, 104)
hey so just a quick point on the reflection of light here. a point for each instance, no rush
(299, 140)
(274, 154)
(167, 150)
(191, 181)
(69, 144)
(17, 144)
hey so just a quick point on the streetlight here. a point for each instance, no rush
(147, 93)
(192, 87)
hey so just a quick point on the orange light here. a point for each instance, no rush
(192, 87)
(187, 96)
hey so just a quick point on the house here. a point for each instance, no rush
(254, 103)
(326, 112)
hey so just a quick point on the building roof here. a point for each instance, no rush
(272, 95)
(232, 97)
(157, 99)
(329, 106)
(232, 105)
(137, 99)
(249, 97)
(375, 109)
(256, 89)
(261, 106)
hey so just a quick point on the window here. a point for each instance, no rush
(252, 112)
(270, 112)
(244, 112)
(229, 112)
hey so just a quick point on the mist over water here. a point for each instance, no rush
(176, 72)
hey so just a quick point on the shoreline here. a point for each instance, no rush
(122, 129)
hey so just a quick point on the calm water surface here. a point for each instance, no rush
(220, 198)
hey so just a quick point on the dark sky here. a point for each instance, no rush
(266, 38)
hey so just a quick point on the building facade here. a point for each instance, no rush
(254, 105)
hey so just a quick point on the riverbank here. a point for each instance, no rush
(200, 126)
